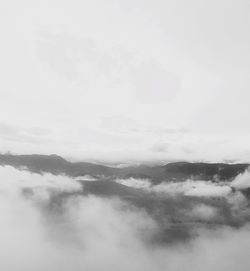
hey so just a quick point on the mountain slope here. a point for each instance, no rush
(171, 172)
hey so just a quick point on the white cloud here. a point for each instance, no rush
(207, 189)
(13, 181)
(135, 182)
(91, 233)
(188, 188)
(242, 181)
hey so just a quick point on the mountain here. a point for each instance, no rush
(178, 216)
(170, 172)
(53, 164)
(204, 171)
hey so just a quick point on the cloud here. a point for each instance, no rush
(76, 232)
(206, 189)
(204, 212)
(242, 181)
(18, 180)
(135, 182)
(195, 188)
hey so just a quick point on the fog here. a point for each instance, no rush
(198, 188)
(242, 180)
(124, 83)
(41, 231)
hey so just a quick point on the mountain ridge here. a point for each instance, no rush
(175, 171)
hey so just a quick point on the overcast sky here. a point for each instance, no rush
(134, 80)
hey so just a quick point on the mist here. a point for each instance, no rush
(242, 180)
(48, 224)
(115, 98)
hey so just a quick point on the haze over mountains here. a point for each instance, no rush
(187, 195)
(177, 171)
(68, 213)
(157, 92)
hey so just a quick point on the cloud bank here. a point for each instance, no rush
(196, 188)
(242, 181)
(68, 231)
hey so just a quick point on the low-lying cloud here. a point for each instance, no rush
(242, 181)
(196, 188)
(66, 230)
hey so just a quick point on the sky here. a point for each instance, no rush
(126, 81)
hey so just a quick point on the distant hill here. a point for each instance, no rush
(173, 214)
(178, 171)
(53, 164)
(204, 171)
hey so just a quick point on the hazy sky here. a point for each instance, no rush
(126, 80)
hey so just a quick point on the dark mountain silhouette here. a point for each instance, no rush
(204, 171)
(53, 164)
(178, 171)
